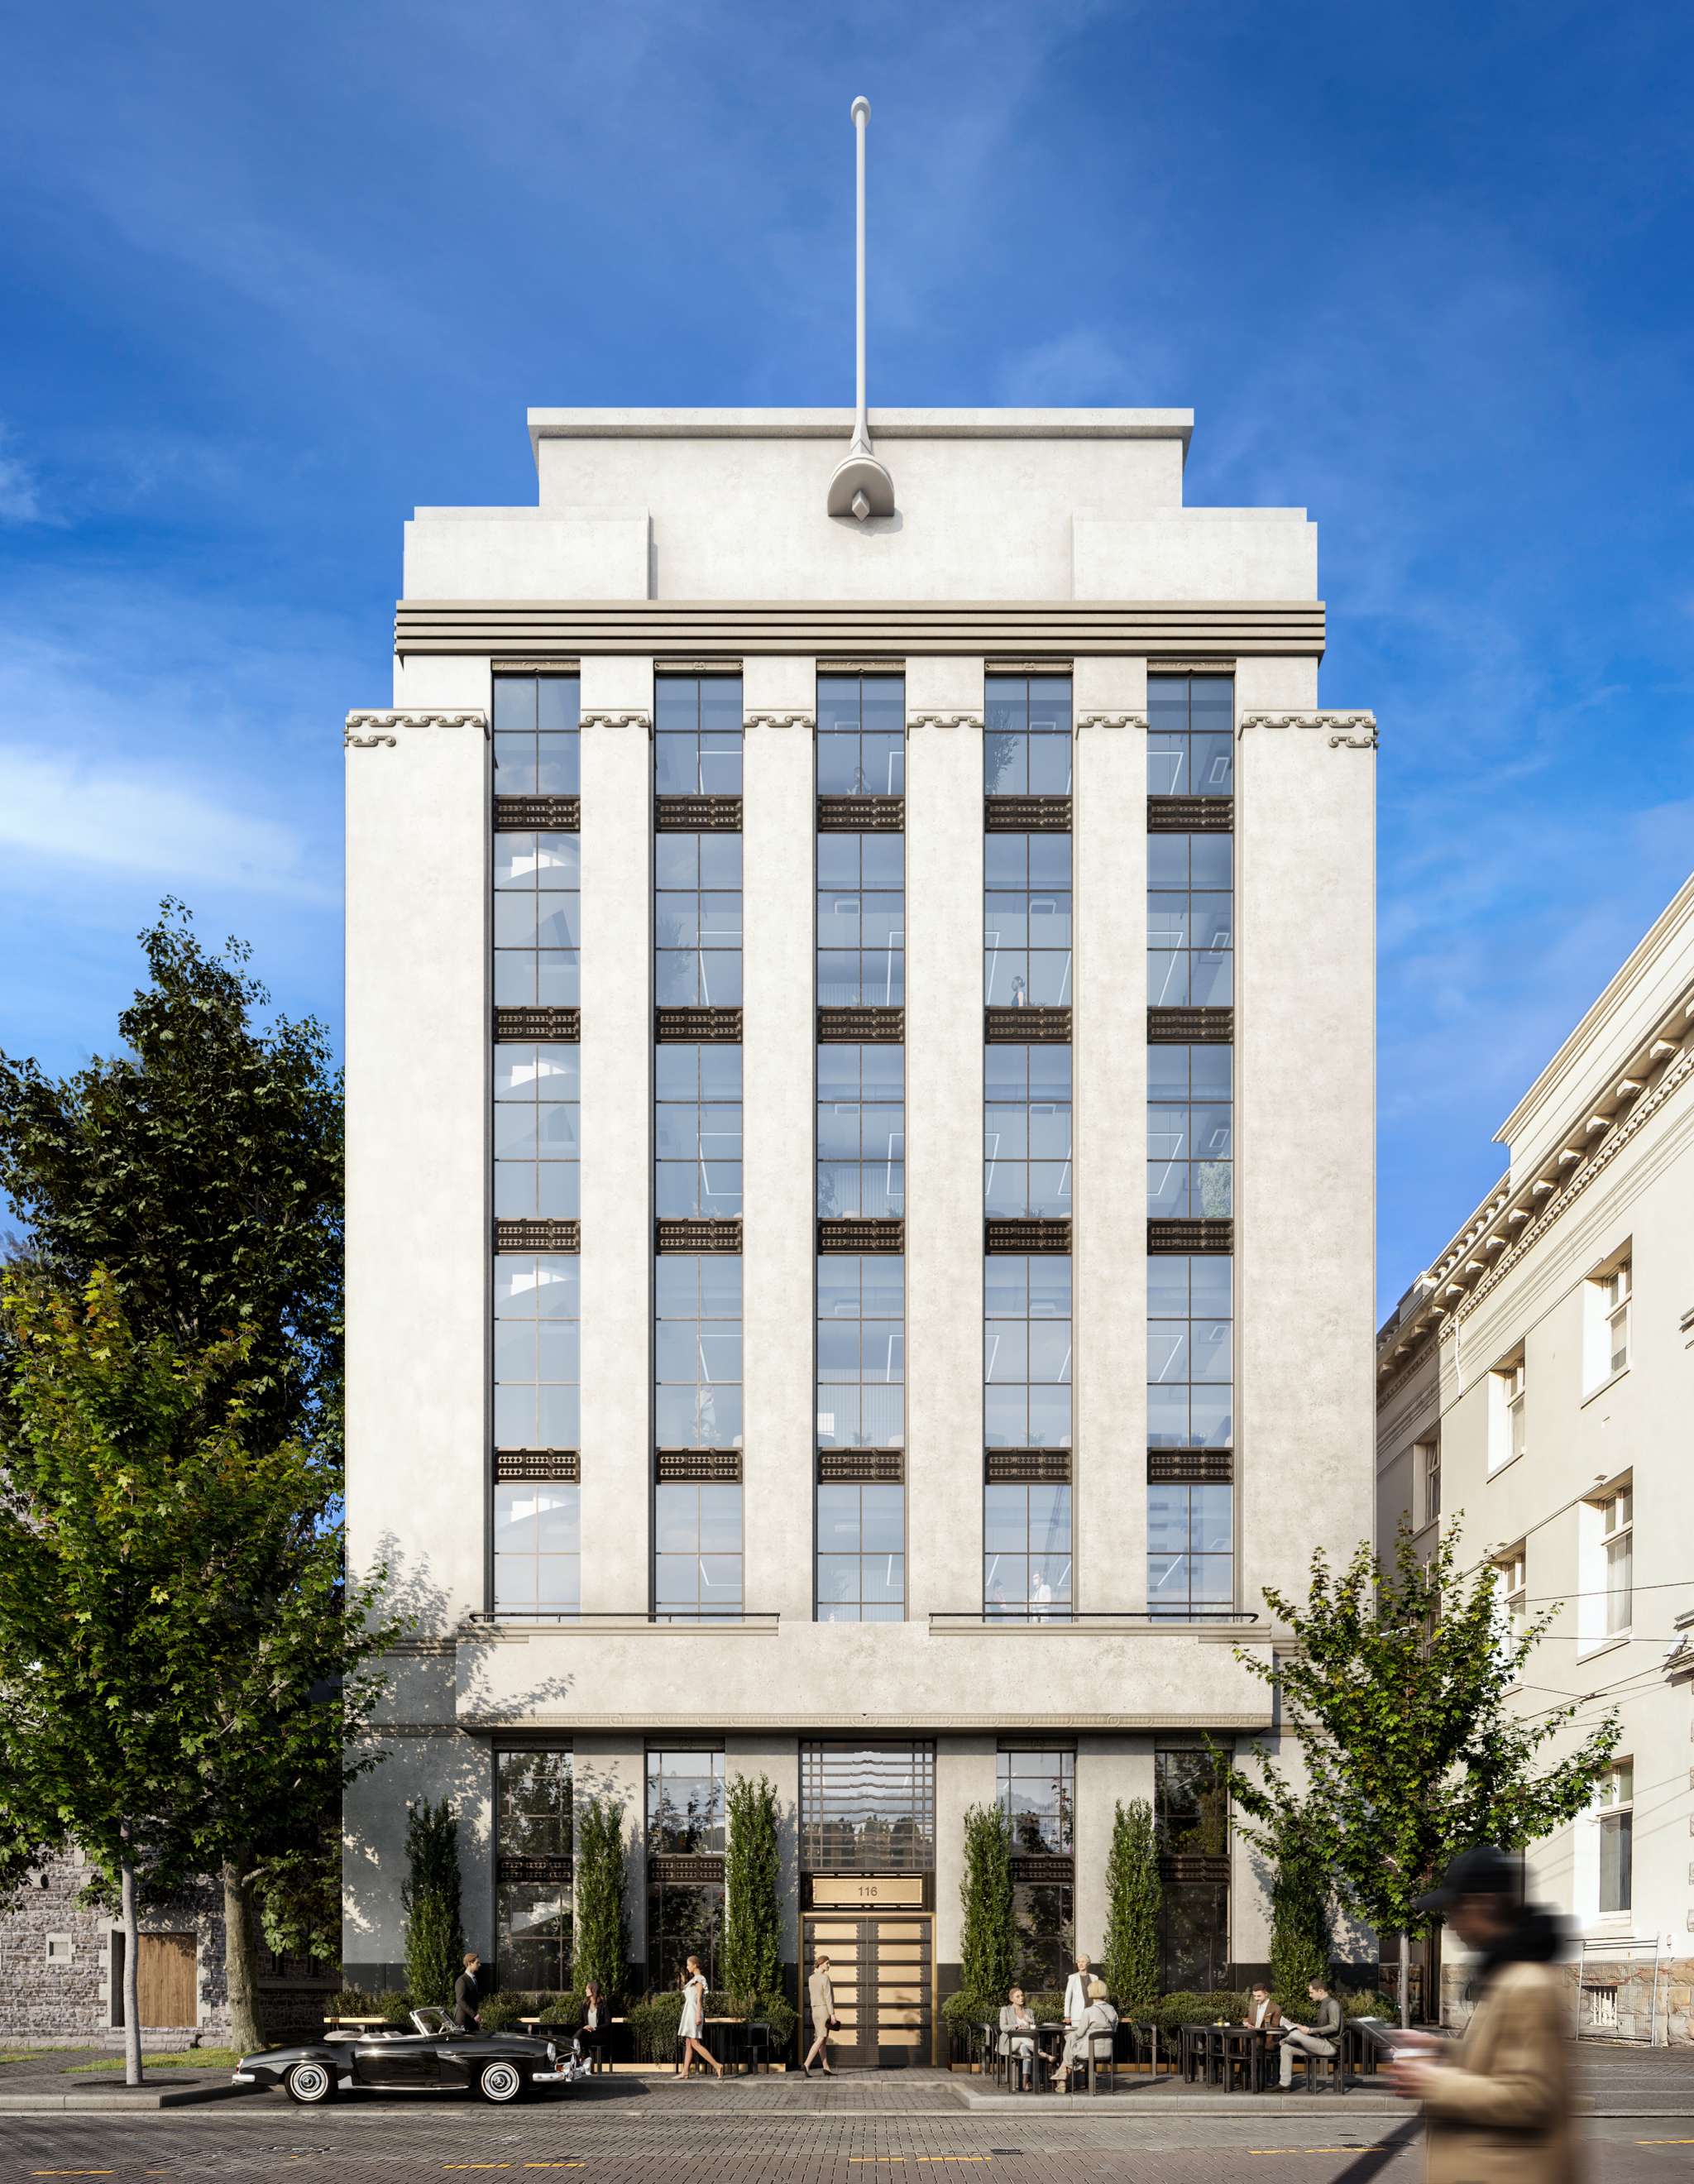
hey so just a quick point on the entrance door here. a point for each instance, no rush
(879, 1968)
(165, 1980)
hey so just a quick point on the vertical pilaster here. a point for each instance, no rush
(1110, 1771)
(944, 1047)
(617, 1120)
(780, 1032)
(1109, 1069)
(615, 1767)
(965, 1776)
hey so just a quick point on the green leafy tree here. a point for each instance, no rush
(430, 1897)
(1131, 1966)
(142, 1631)
(1395, 1689)
(752, 1933)
(602, 1937)
(199, 1169)
(1300, 1931)
(988, 1947)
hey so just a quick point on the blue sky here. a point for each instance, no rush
(270, 277)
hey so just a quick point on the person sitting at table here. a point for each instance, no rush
(1099, 2017)
(1017, 2032)
(1263, 2014)
(692, 2023)
(1320, 2038)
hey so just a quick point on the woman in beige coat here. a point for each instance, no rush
(822, 1997)
(1499, 2112)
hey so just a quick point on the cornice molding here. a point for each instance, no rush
(380, 726)
(643, 721)
(857, 1725)
(1346, 731)
(943, 721)
(1112, 720)
(779, 721)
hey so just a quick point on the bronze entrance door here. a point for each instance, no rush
(880, 1968)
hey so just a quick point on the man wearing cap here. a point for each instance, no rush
(1499, 2112)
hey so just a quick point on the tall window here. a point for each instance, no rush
(1026, 1351)
(1038, 1796)
(1618, 1539)
(861, 736)
(697, 1350)
(532, 1835)
(1190, 1350)
(537, 739)
(861, 1552)
(1429, 1461)
(685, 1819)
(1614, 1289)
(1027, 736)
(697, 1559)
(537, 1130)
(697, 1130)
(861, 1132)
(1026, 1131)
(697, 735)
(1191, 1132)
(1191, 738)
(538, 1547)
(862, 921)
(696, 920)
(1027, 920)
(861, 1350)
(538, 921)
(1191, 1565)
(538, 1310)
(1615, 1818)
(1190, 921)
(1606, 1324)
(1191, 1822)
(1027, 1552)
(1512, 1596)
(1507, 1412)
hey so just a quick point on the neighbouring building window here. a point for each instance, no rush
(1191, 1126)
(1512, 1589)
(1026, 1131)
(1027, 1552)
(1614, 1811)
(537, 1130)
(532, 1835)
(1191, 1822)
(860, 1553)
(861, 1350)
(1027, 920)
(537, 1309)
(1605, 1608)
(861, 1132)
(697, 1559)
(697, 1350)
(1027, 1350)
(1429, 1462)
(538, 1547)
(697, 1131)
(685, 1820)
(1507, 1416)
(1606, 1324)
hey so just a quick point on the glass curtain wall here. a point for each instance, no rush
(1192, 1824)
(1027, 1172)
(536, 1145)
(685, 1821)
(861, 1148)
(697, 906)
(532, 1864)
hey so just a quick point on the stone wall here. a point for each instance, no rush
(56, 1958)
(1617, 1998)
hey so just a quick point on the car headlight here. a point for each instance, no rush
(552, 2053)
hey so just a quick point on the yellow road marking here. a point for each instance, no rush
(1639, 2141)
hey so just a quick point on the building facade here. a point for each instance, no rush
(1536, 1380)
(859, 1105)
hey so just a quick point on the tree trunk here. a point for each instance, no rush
(241, 1966)
(1405, 1979)
(132, 2049)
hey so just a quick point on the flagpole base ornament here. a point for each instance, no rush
(861, 486)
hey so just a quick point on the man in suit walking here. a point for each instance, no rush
(1498, 2102)
(464, 1994)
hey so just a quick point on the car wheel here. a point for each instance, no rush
(500, 2082)
(310, 2084)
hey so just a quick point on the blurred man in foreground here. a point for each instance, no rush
(1497, 2102)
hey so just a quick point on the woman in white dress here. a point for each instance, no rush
(692, 2023)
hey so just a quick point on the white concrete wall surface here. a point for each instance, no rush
(1111, 1769)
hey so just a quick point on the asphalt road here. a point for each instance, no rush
(684, 2137)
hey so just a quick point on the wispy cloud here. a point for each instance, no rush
(20, 500)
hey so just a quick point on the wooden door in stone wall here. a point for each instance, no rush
(165, 1980)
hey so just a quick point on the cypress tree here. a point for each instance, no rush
(435, 1939)
(752, 1932)
(1131, 1966)
(602, 1940)
(988, 1947)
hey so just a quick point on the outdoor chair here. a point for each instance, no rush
(1102, 2061)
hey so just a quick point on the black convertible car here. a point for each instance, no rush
(435, 2058)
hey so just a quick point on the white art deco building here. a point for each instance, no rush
(859, 1090)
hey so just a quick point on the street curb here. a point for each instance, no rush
(122, 2101)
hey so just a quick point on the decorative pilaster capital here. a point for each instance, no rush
(943, 721)
(779, 721)
(1346, 731)
(369, 731)
(642, 721)
(1112, 720)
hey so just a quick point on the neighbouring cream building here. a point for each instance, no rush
(860, 1176)
(1539, 1377)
